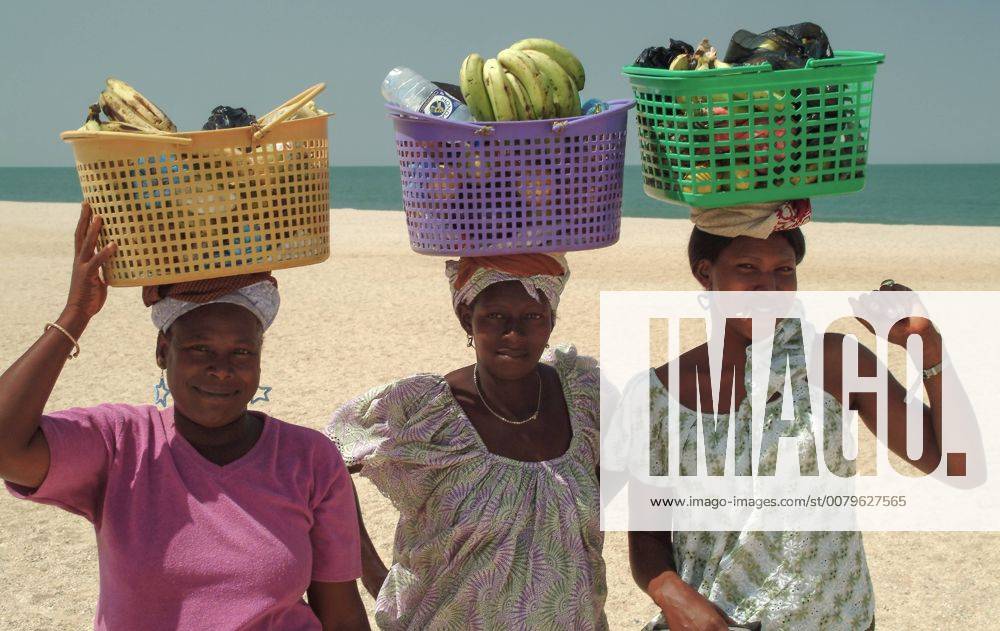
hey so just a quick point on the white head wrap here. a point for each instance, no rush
(260, 299)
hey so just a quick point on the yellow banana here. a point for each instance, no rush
(470, 81)
(536, 85)
(118, 110)
(681, 62)
(501, 100)
(559, 53)
(743, 174)
(141, 107)
(699, 176)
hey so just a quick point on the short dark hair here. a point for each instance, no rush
(703, 245)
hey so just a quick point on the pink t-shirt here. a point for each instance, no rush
(187, 544)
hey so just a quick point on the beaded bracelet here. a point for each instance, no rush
(76, 345)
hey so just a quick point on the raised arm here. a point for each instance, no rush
(866, 403)
(960, 473)
(26, 385)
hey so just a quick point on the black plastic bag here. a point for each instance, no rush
(660, 57)
(226, 117)
(783, 47)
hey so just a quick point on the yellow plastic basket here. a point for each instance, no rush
(205, 204)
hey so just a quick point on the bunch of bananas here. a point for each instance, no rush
(533, 79)
(127, 110)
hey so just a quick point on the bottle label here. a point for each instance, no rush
(439, 104)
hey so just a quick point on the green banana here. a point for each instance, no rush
(501, 100)
(559, 53)
(537, 86)
(519, 98)
(470, 81)
(565, 96)
(122, 102)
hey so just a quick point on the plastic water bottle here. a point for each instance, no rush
(594, 106)
(407, 89)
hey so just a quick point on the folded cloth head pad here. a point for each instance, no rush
(752, 220)
(539, 274)
(257, 293)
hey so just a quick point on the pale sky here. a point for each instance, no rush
(935, 97)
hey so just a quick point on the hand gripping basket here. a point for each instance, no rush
(483, 189)
(205, 204)
(749, 134)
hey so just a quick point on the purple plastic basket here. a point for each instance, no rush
(482, 189)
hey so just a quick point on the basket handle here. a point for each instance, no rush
(847, 58)
(291, 106)
(167, 139)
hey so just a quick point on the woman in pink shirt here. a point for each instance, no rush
(207, 515)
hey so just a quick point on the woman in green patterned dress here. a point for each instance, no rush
(493, 467)
(706, 581)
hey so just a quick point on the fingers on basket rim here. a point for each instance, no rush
(81, 225)
(89, 244)
(102, 257)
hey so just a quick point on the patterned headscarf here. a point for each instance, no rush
(257, 293)
(752, 220)
(539, 274)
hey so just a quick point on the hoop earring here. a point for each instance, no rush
(469, 343)
(161, 391)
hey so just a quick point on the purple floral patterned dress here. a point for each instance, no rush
(483, 541)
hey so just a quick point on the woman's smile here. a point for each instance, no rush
(215, 392)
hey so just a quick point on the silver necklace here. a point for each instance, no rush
(482, 397)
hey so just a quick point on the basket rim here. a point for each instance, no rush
(840, 59)
(617, 106)
(220, 273)
(473, 252)
(193, 135)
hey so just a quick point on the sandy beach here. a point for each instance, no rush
(375, 312)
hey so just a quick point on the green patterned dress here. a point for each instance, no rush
(784, 580)
(483, 541)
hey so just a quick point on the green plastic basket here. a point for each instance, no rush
(751, 134)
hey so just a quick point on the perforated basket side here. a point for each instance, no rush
(516, 188)
(220, 206)
(751, 135)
